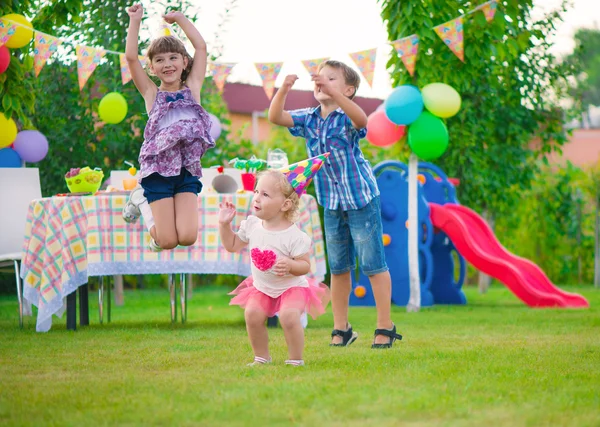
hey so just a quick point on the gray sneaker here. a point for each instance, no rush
(131, 211)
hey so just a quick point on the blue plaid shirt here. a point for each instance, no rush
(346, 179)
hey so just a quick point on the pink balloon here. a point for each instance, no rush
(4, 58)
(381, 132)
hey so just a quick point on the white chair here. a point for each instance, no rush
(18, 187)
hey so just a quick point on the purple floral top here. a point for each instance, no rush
(168, 149)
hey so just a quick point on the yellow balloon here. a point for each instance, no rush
(24, 32)
(8, 131)
(112, 108)
(441, 100)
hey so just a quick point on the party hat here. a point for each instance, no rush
(300, 174)
(165, 30)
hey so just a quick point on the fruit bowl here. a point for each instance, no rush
(84, 180)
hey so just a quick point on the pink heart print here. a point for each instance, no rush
(263, 260)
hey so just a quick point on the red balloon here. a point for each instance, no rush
(4, 58)
(381, 131)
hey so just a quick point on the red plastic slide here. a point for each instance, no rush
(474, 240)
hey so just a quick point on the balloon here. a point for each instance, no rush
(428, 137)
(9, 158)
(380, 107)
(24, 32)
(4, 58)
(215, 126)
(381, 132)
(31, 145)
(441, 99)
(8, 131)
(404, 105)
(112, 108)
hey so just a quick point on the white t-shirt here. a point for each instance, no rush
(266, 247)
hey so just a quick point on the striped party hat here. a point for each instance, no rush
(300, 174)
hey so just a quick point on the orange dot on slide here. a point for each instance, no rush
(387, 239)
(421, 179)
(360, 291)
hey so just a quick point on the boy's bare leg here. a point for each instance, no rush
(382, 291)
(341, 286)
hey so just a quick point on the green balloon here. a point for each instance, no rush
(428, 137)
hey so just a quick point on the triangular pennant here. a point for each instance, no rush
(408, 48)
(488, 9)
(451, 33)
(365, 61)
(268, 73)
(125, 71)
(312, 65)
(88, 59)
(44, 47)
(300, 174)
(7, 29)
(220, 72)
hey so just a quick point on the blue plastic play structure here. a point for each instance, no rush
(437, 255)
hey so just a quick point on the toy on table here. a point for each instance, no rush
(251, 166)
(223, 183)
(84, 180)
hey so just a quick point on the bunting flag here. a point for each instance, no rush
(488, 9)
(6, 31)
(312, 65)
(268, 73)
(88, 59)
(220, 72)
(44, 47)
(365, 61)
(451, 33)
(125, 71)
(407, 48)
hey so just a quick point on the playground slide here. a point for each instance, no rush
(474, 240)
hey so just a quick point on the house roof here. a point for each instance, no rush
(244, 99)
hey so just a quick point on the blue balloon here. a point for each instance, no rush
(404, 105)
(9, 158)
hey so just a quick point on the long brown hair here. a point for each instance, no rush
(170, 44)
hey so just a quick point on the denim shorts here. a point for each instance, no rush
(158, 187)
(355, 234)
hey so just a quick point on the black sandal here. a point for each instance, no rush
(348, 337)
(391, 333)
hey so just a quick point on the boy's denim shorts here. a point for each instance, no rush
(157, 187)
(355, 234)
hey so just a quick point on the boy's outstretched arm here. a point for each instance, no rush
(277, 114)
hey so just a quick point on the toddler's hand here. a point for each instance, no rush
(289, 81)
(173, 16)
(135, 12)
(226, 212)
(282, 266)
(323, 84)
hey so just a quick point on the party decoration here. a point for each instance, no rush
(268, 73)
(488, 9)
(404, 105)
(451, 33)
(125, 71)
(441, 100)
(312, 65)
(88, 59)
(4, 59)
(9, 158)
(220, 72)
(44, 47)
(112, 108)
(407, 48)
(381, 132)
(365, 61)
(250, 166)
(24, 31)
(300, 174)
(31, 145)
(8, 131)
(7, 30)
(132, 169)
(428, 137)
(215, 126)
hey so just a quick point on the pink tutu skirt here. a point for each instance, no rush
(312, 300)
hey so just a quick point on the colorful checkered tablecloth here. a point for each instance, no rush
(68, 239)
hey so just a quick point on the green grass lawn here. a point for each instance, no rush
(493, 361)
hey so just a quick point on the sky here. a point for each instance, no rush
(287, 31)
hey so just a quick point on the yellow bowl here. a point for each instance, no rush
(87, 181)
